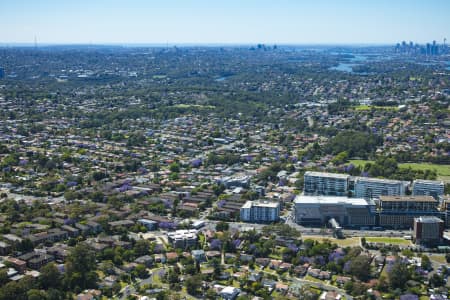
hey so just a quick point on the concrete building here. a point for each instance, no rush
(330, 184)
(400, 211)
(373, 188)
(446, 211)
(260, 211)
(428, 230)
(317, 210)
(183, 238)
(429, 188)
(5, 248)
(236, 181)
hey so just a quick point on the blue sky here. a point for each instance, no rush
(226, 21)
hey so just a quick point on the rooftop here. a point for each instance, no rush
(378, 180)
(303, 199)
(407, 198)
(261, 203)
(428, 219)
(423, 181)
(328, 175)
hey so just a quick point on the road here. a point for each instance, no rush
(132, 288)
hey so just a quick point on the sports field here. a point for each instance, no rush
(443, 171)
(388, 240)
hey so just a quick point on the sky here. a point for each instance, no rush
(223, 22)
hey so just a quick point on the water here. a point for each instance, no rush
(343, 67)
(223, 78)
(348, 66)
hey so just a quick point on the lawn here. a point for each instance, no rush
(388, 240)
(193, 106)
(360, 162)
(369, 107)
(439, 258)
(443, 171)
(310, 278)
(353, 241)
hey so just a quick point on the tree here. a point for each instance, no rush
(17, 290)
(217, 267)
(37, 295)
(174, 167)
(222, 226)
(399, 275)
(172, 277)
(50, 276)
(437, 280)
(3, 277)
(141, 271)
(80, 267)
(340, 158)
(218, 189)
(193, 283)
(426, 263)
(142, 247)
(360, 267)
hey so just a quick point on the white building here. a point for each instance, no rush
(260, 211)
(373, 188)
(428, 188)
(229, 293)
(346, 211)
(320, 183)
(183, 238)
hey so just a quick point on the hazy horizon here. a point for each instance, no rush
(232, 22)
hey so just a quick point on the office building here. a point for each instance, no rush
(373, 188)
(428, 230)
(329, 184)
(318, 210)
(428, 187)
(260, 211)
(400, 211)
(2, 73)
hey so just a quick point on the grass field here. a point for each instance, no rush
(193, 106)
(443, 171)
(369, 107)
(388, 240)
(353, 241)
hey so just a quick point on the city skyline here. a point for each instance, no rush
(223, 22)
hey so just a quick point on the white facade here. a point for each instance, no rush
(346, 211)
(260, 211)
(320, 183)
(428, 188)
(373, 188)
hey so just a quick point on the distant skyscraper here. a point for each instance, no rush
(2, 73)
(428, 51)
